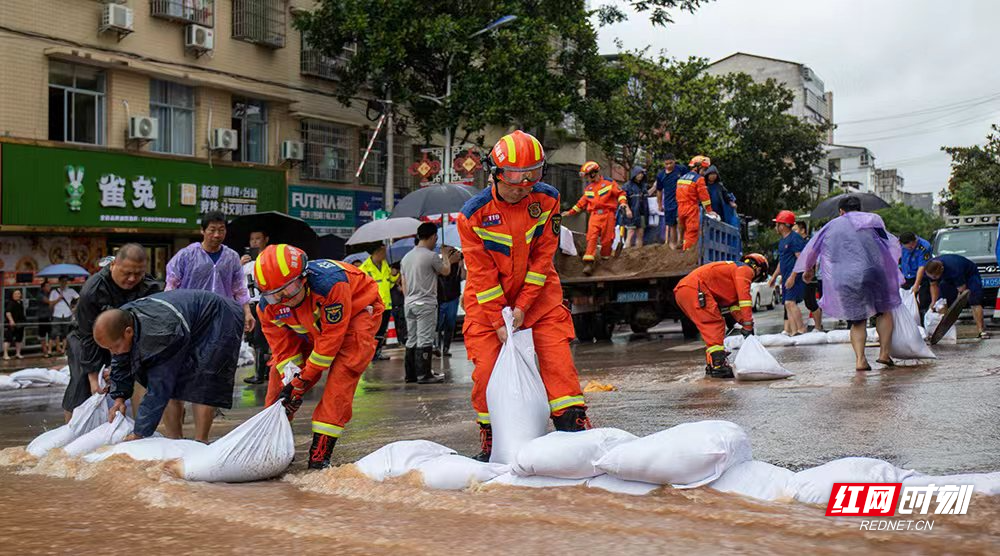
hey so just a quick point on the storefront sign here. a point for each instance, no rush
(328, 211)
(367, 204)
(61, 187)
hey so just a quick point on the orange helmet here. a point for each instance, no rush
(278, 266)
(588, 167)
(700, 160)
(785, 217)
(757, 260)
(518, 159)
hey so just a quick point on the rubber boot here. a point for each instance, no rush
(319, 452)
(446, 336)
(719, 368)
(261, 369)
(485, 443)
(425, 367)
(572, 419)
(588, 268)
(411, 365)
(378, 349)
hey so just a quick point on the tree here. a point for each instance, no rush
(974, 186)
(901, 218)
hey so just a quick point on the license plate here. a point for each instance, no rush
(632, 297)
(993, 282)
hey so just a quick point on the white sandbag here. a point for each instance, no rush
(931, 321)
(871, 335)
(619, 486)
(775, 340)
(568, 455)
(107, 434)
(38, 377)
(813, 485)
(907, 343)
(515, 394)
(910, 304)
(7, 383)
(685, 456)
(566, 243)
(260, 448)
(982, 483)
(64, 370)
(754, 362)
(149, 449)
(838, 337)
(810, 339)
(246, 355)
(732, 343)
(756, 479)
(86, 417)
(456, 472)
(535, 481)
(59, 378)
(399, 458)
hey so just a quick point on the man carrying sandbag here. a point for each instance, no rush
(711, 291)
(951, 275)
(510, 233)
(181, 345)
(322, 315)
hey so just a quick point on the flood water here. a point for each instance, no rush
(938, 417)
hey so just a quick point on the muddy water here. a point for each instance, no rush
(937, 417)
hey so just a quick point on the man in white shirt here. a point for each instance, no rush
(63, 299)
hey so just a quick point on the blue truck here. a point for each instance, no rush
(644, 297)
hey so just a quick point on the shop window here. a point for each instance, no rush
(172, 105)
(76, 103)
(327, 151)
(250, 121)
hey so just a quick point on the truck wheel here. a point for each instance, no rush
(602, 327)
(638, 328)
(689, 329)
(756, 303)
(583, 326)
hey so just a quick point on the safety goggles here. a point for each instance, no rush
(517, 177)
(284, 293)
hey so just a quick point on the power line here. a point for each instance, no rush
(953, 125)
(960, 105)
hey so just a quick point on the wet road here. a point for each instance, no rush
(936, 417)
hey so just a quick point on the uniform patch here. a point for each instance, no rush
(491, 220)
(556, 224)
(284, 312)
(927, 256)
(535, 209)
(333, 313)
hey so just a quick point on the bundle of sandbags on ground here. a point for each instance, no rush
(439, 466)
(90, 415)
(34, 378)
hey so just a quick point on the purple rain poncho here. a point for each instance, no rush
(859, 265)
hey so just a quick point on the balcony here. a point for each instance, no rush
(200, 12)
(260, 22)
(317, 64)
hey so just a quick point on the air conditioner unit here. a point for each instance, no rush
(117, 18)
(292, 150)
(198, 38)
(142, 128)
(225, 139)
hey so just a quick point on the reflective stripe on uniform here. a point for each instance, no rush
(706, 204)
(565, 401)
(486, 235)
(483, 418)
(320, 360)
(604, 190)
(297, 359)
(588, 257)
(535, 278)
(327, 429)
(622, 198)
(588, 194)
(538, 227)
(486, 296)
(713, 349)
(734, 308)
(298, 328)
(746, 303)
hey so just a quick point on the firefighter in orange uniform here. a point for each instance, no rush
(510, 233)
(601, 198)
(713, 290)
(317, 316)
(692, 192)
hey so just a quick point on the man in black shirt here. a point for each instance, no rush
(120, 282)
(449, 296)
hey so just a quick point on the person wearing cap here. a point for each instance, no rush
(666, 196)
(601, 198)
(510, 233)
(917, 252)
(793, 291)
(319, 317)
(692, 197)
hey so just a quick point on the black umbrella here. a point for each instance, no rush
(330, 247)
(434, 199)
(829, 208)
(279, 227)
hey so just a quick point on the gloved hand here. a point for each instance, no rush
(291, 395)
(747, 330)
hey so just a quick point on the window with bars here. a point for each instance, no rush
(250, 121)
(260, 22)
(201, 12)
(76, 103)
(317, 64)
(172, 104)
(327, 151)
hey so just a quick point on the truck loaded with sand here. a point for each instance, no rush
(637, 287)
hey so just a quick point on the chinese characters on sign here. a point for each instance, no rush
(231, 200)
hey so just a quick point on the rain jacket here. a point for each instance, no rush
(635, 198)
(185, 347)
(721, 197)
(383, 277)
(509, 251)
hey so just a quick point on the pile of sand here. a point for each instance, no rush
(650, 260)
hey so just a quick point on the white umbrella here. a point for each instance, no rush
(381, 230)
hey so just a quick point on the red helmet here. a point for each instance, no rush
(278, 266)
(757, 260)
(785, 217)
(518, 159)
(588, 167)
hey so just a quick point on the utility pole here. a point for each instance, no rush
(390, 189)
(447, 130)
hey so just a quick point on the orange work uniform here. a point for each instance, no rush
(332, 329)
(601, 200)
(509, 250)
(726, 287)
(691, 192)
